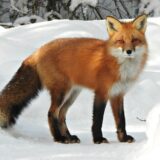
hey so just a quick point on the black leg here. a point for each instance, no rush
(54, 127)
(119, 116)
(53, 115)
(98, 112)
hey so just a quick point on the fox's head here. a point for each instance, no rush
(127, 39)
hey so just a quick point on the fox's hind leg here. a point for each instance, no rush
(57, 97)
(62, 117)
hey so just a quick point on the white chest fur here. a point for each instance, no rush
(120, 88)
(129, 70)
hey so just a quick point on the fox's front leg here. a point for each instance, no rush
(98, 112)
(119, 116)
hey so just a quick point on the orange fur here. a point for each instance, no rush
(81, 61)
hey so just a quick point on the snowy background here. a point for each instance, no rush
(30, 138)
(20, 12)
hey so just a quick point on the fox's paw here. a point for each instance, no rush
(123, 137)
(129, 139)
(100, 140)
(73, 139)
(67, 140)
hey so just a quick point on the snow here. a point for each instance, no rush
(2, 29)
(75, 3)
(147, 6)
(27, 20)
(30, 138)
(20, 6)
(151, 148)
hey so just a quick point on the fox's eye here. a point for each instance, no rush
(120, 41)
(136, 40)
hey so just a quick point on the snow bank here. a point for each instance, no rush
(153, 127)
(2, 29)
(151, 148)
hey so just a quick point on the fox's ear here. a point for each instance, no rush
(113, 25)
(140, 23)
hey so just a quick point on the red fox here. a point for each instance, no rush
(65, 66)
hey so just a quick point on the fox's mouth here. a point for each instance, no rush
(129, 56)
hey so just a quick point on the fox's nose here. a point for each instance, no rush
(129, 52)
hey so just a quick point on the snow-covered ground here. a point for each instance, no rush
(30, 138)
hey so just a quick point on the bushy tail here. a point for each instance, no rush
(23, 87)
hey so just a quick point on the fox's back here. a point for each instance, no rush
(76, 59)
